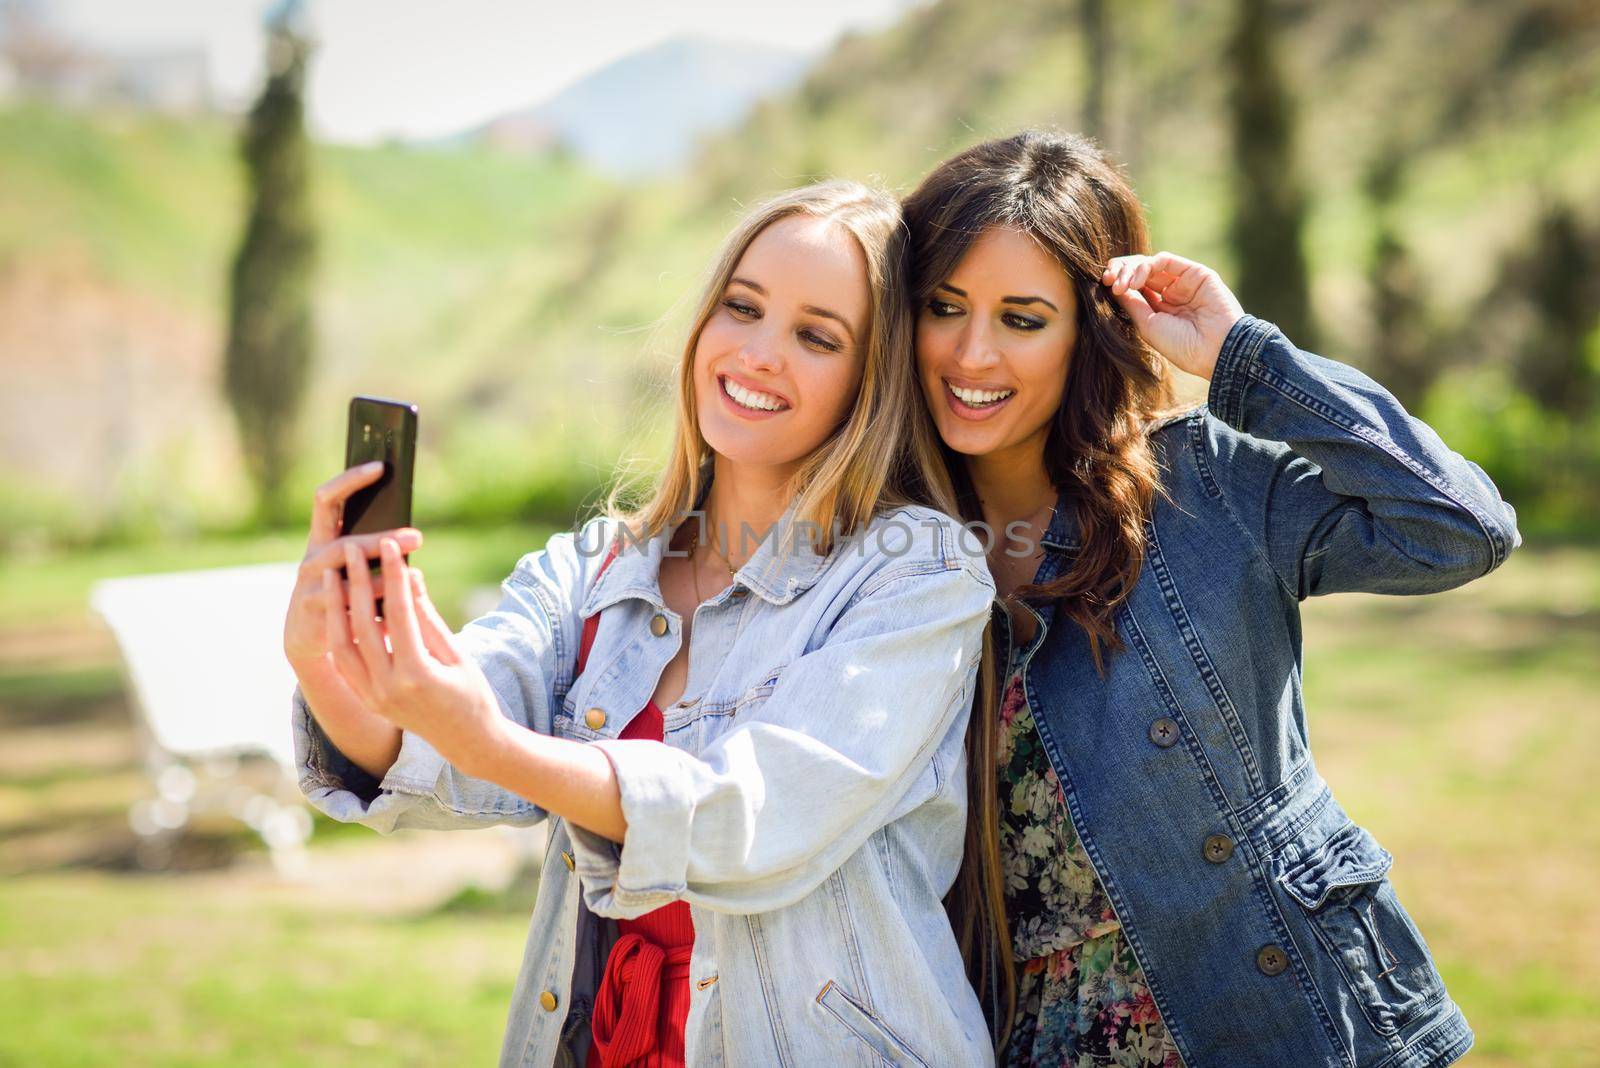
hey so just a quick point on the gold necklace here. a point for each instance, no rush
(1025, 567)
(694, 569)
(732, 573)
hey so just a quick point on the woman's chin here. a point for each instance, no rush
(749, 445)
(968, 440)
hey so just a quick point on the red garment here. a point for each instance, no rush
(642, 1003)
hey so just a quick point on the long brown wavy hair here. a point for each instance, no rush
(1066, 194)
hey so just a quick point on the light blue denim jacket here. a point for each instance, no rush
(1262, 915)
(809, 803)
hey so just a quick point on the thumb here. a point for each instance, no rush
(436, 635)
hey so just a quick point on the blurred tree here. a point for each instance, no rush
(1097, 48)
(1402, 354)
(1269, 205)
(1553, 365)
(270, 330)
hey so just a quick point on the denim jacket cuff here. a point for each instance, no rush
(649, 869)
(344, 791)
(324, 761)
(1232, 377)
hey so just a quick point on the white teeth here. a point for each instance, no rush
(979, 397)
(749, 398)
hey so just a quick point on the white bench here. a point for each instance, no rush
(203, 655)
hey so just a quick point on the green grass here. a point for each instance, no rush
(52, 588)
(132, 971)
(1458, 728)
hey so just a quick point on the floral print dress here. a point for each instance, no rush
(1081, 996)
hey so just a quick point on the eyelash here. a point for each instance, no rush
(943, 309)
(821, 341)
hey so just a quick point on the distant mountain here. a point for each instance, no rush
(644, 113)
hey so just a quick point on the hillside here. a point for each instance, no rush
(518, 300)
(115, 237)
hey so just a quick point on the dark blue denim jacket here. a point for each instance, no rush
(1261, 914)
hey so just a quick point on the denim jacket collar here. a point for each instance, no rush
(778, 571)
(775, 575)
(1064, 533)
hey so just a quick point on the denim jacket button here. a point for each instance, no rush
(567, 857)
(595, 718)
(1218, 848)
(1164, 732)
(1272, 960)
(548, 1000)
(658, 624)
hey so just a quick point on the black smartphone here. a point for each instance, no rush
(380, 429)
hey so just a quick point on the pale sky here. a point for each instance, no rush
(421, 68)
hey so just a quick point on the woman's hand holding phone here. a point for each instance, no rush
(359, 732)
(304, 633)
(405, 666)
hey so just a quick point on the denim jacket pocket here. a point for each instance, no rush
(716, 711)
(867, 1027)
(1345, 891)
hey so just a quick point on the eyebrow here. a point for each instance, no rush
(809, 309)
(1024, 301)
(812, 309)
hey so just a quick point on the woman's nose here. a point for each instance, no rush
(977, 350)
(761, 356)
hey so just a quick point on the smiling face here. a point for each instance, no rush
(779, 362)
(993, 345)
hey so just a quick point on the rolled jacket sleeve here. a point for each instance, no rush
(1335, 483)
(777, 803)
(525, 648)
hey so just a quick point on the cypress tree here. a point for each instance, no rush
(270, 329)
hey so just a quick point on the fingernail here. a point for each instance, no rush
(372, 465)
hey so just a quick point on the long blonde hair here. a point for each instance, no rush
(885, 452)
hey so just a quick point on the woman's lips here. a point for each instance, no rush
(966, 411)
(740, 410)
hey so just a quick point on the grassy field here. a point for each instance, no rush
(1459, 728)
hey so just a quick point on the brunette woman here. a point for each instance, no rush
(1180, 885)
(750, 749)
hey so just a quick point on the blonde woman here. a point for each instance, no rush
(741, 706)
